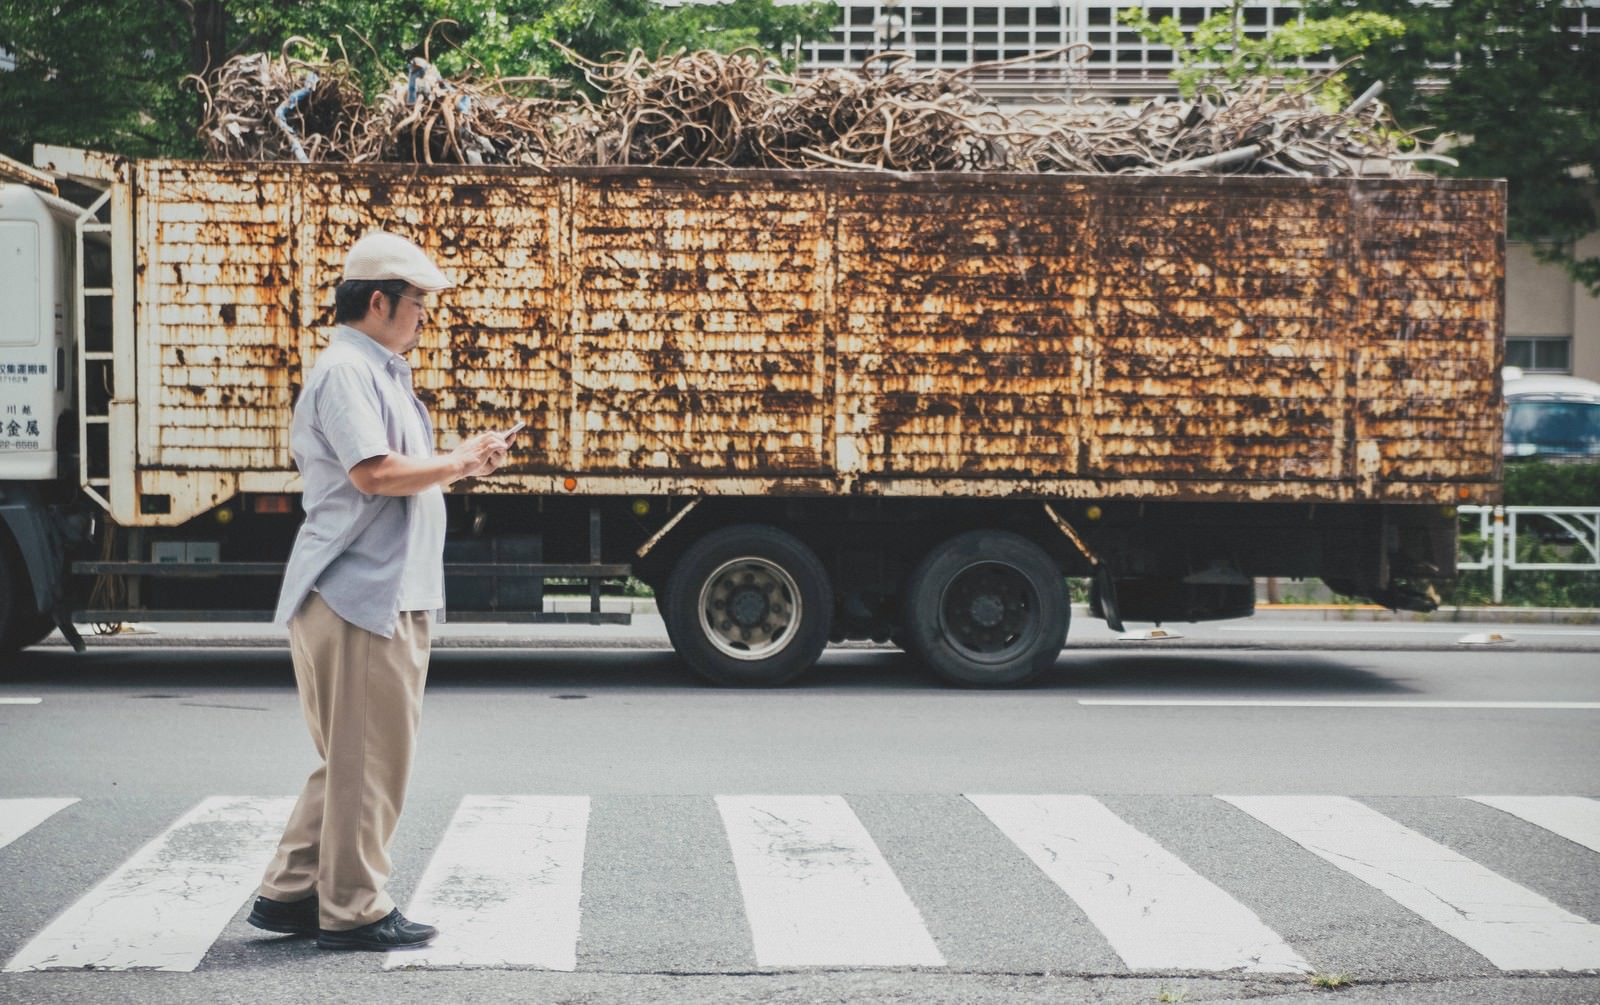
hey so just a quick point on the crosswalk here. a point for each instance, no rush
(504, 889)
(831, 881)
(817, 889)
(1515, 928)
(1157, 912)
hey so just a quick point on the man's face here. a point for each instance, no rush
(402, 327)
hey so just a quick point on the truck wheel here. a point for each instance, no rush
(34, 630)
(749, 605)
(20, 625)
(987, 608)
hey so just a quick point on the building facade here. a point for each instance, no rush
(955, 35)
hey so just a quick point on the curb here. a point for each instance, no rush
(1444, 615)
(1268, 612)
(629, 605)
(474, 633)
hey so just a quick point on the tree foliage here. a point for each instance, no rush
(1513, 87)
(95, 75)
(1542, 483)
(1219, 51)
(109, 74)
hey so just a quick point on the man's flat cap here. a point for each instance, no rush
(380, 255)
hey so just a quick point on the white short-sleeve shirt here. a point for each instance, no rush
(357, 403)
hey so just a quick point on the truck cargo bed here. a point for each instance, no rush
(822, 333)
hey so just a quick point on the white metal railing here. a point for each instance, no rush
(1573, 532)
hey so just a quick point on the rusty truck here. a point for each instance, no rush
(800, 406)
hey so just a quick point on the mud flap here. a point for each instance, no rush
(62, 615)
(1103, 598)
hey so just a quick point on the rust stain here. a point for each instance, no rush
(1218, 337)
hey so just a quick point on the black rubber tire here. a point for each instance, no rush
(20, 625)
(34, 630)
(987, 608)
(661, 609)
(759, 581)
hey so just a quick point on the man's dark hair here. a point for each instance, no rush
(351, 297)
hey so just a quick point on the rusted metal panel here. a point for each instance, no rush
(1219, 322)
(829, 332)
(1432, 263)
(961, 313)
(697, 325)
(215, 278)
(496, 347)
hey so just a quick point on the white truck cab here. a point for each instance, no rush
(36, 325)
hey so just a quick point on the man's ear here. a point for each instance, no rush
(377, 305)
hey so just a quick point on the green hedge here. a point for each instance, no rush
(1540, 483)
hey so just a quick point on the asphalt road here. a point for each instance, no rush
(1210, 818)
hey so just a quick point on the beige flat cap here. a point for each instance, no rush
(381, 255)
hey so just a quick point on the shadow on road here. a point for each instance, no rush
(1258, 673)
(1106, 674)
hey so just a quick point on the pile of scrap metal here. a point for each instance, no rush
(710, 109)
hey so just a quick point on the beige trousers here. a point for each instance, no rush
(362, 698)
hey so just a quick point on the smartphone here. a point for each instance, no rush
(514, 430)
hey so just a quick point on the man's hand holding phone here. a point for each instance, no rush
(481, 454)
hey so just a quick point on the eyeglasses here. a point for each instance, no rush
(421, 304)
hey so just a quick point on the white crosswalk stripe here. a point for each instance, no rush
(504, 886)
(1573, 817)
(19, 816)
(168, 903)
(806, 879)
(1157, 913)
(817, 890)
(1515, 928)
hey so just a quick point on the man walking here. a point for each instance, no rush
(363, 583)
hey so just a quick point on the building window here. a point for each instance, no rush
(1540, 353)
(954, 34)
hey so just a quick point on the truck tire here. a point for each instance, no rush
(749, 605)
(34, 630)
(987, 608)
(20, 625)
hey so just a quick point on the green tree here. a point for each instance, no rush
(1513, 87)
(109, 74)
(1219, 51)
(94, 75)
(622, 25)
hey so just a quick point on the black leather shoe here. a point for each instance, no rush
(298, 917)
(392, 932)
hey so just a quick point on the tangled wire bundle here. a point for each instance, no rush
(1255, 130)
(686, 109)
(737, 110)
(426, 119)
(261, 108)
(898, 119)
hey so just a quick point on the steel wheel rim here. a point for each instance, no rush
(989, 612)
(749, 608)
